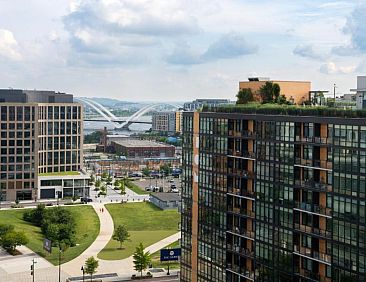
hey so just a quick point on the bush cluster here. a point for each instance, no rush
(10, 239)
(57, 224)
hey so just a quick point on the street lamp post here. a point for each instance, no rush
(59, 264)
(82, 269)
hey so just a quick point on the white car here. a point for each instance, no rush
(174, 190)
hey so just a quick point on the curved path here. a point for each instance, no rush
(124, 267)
(105, 234)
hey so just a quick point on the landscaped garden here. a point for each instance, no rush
(85, 232)
(144, 222)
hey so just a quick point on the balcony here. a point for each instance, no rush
(241, 172)
(242, 271)
(243, 133)
(241, 211)
(313, 208)
(311, 163)
(308, 274)
(240, 250)
(241, 154)
(242, 232)
(315, 255)
(315, 140)
(312, 185)
(313, 230)
(242, 193)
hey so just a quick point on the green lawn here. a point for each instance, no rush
(86, 231)
(155, 257)
(145, 223)
(135, 188)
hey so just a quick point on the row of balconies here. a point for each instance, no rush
(242, 193)
(243, 232)
(242, 154)
(242, 133)
(241, 211)
(241, 172)
(313, 230)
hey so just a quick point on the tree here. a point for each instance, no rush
(104, 175)
(269, 92)
(121, 235)
(36, 215)
(92, 178)
(141, 259)
(98, 182)
(12, 239)
(146, 171)
(91, 265)
(5, 228)
(244, 96)
(281, 100)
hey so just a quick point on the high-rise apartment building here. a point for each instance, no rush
(164, 122)
(41, 146)
(273, 195)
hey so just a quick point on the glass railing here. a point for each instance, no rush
(241, 172)
(243, 232)
(312, 254)
(243, 271)
(314, 208)
(314, 163)
(311, 184)
(313, 230)
(240, 250)
(243, 193)
(314, 139)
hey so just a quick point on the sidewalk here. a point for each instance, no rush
(106, 231)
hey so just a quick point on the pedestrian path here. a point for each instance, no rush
(105, 234)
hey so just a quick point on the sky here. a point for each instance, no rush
(179, 50)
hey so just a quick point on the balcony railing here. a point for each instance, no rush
(241, 154)
(312, 254)
(313, 185)
(313, 208)
(308, 274)
(241, 271)
(314, 163)
(241, 211)
(313, 230)
(241, 172)
(240, 250)
(242, 193)
(243, 232)
(313, 139)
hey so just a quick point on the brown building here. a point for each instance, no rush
(41, 136)
(135, 148)
(298, 91)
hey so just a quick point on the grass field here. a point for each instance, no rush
(145, 223)
(87, 229)
(155, 258)
(135, 188)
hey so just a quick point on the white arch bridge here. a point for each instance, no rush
(120, 123)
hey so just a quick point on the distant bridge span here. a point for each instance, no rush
(116, 121)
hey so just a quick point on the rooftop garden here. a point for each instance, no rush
(273, 103)
(296, 110)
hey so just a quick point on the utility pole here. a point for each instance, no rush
(32, 269)
(59, 264)
(334, 93)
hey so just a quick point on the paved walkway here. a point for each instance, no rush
(106, 231)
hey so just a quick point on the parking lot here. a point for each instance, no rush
(166, 183)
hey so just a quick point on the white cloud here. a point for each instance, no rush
(9, 46)
(332, 68)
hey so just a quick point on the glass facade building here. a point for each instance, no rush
(273, 198)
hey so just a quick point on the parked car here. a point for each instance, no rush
(171, 180)
(86, 200)
(174, 190)
(173, 186)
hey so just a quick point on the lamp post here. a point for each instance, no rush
(82, 269)
(334, 93)
(59, 264)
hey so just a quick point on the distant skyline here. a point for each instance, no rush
(174, 50)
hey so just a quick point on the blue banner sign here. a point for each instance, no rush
(169, 254)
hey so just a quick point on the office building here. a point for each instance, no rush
(296, 91)
(360, 92)
(273, 195)
(199, 103)
(164, 122)
(41, 144)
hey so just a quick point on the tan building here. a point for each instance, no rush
(178, 121)
(298, 91)
(41, 135)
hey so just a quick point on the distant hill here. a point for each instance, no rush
(110, 102)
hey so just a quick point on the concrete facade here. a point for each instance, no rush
(164, 122)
